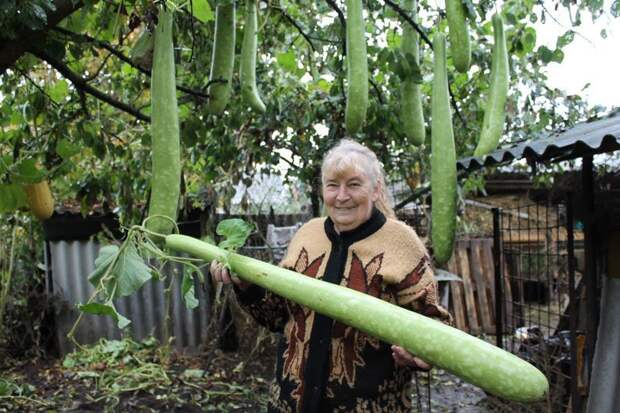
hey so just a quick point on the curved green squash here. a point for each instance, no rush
(476, 361)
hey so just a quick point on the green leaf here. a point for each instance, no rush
(287, 61)
(5, 163)
(66, 149)
(12, 197)
(105, 309)
(565, 39)
(202, 10)
(187, 290)
(127, 69)
(322, 84)
(404, 65)
(615, 8)
(545, 54)
(128, 274)
(558, 56)
(595, 5)
(236, 231)
(69, 362)
(393, 39)
(28, 172)
(102, 262)
(58, 92)
(470, 9)
(529, 40)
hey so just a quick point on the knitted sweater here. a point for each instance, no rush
(326, 366)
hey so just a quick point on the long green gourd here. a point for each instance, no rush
(166, 152)
(495, 111)
(411, 114)
(357, 68)
(247, 72)
(460, 47)
(443, 158)
(222, 58)
(476, 361)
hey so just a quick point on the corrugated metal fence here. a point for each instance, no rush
(70, 263)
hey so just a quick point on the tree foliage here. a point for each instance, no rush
(75, 98)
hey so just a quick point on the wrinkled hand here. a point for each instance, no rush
(403, 358)
(219, 273)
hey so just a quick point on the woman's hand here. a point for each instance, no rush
(219, 273)
(404, 358)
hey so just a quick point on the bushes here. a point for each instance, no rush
(25, 326)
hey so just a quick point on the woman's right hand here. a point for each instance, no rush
(219, 273)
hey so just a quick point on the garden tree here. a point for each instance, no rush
(76, 100)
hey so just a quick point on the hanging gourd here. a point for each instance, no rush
(443, 158)
(166, 153)
(357, 67)
(40, 199)
(495, 111)
(222, 58)
(460, 47)
(411, 113)
(247, 72)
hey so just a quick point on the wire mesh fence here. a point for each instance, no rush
(540, 295)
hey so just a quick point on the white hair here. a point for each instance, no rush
(350, 155)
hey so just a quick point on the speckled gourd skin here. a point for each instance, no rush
(476, 361)
(165, 137)
(460, 46)
(222, 58)
(412, 114)
(357, 67)
(443, 158)
(495, 111)
(247, 70)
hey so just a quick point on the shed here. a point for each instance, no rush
(596, 211)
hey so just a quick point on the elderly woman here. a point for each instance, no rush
(323, 365)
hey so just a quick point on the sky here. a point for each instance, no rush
(588, 59)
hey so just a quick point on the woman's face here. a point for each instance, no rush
(349, 197)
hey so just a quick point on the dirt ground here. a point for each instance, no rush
(216, 382)
(124, 376)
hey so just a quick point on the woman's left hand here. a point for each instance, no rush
(404, 358)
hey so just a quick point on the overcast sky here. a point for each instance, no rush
(595, 60)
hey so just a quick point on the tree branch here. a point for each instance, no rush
(335, 7)
(418, 29)
(81, 84)
(124, 58)
(11, 50)
(343, 22)
(377, 90)
(456, 109)
(298, 27)
(409, 20)
(24, 74)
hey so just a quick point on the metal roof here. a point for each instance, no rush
(587, 138)
(67, 278)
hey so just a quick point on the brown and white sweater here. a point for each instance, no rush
(326, 366)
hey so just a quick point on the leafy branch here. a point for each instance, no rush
(124, 58)
(297, 26)
(121, 270)
(402, 13)
(81, 84)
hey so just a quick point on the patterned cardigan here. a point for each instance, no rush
(326, 366)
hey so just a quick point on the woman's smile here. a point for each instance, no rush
(349, 198)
